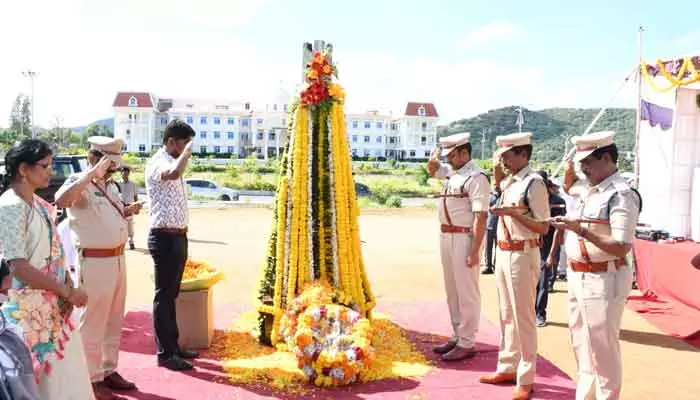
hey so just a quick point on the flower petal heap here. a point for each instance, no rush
(199, 275)
(332, 344)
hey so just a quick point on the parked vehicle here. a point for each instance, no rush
(63, 167)
(211, 190)
(362, 190)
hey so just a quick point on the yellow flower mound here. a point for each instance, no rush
(200, 275)
(248, 362)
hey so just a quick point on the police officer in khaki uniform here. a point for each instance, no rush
(599, 278)
(462, 209)
(523, 212)
(98, 221)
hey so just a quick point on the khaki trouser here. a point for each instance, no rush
(596, 302)
(517, 273)
(461, 287)
(130, 228)
(104, 281)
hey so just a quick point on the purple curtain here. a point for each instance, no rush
(656, 115)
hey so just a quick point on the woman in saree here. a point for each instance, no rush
(42, 297)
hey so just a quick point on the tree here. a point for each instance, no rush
(98, 130)
(20, 119)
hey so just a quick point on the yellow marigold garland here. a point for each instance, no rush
(688, 65)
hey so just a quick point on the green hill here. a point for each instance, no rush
(550, 128)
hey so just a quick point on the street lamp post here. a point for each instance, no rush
(31, 75)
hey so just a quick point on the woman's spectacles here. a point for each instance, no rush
(44, 166)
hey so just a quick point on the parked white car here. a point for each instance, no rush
(210, 190)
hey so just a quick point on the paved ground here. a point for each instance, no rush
(401, 255)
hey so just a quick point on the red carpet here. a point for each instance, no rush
(448, 381)
(671, 317)
(671, 300)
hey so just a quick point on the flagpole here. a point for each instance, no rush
(640, 31)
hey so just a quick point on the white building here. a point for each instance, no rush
(228, 128)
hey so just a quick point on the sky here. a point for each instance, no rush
(466, 57)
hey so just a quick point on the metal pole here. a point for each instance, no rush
(639, 105)
(570, 153)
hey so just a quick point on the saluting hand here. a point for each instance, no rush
(100, 169)
(434, 161)
(188, 148)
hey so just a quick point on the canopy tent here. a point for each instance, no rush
(669, 144)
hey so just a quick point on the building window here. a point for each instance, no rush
(230, 149)
(231, 121)
(423, 140)
(190, 119)
(230, 135)
(271, 136)
(379, 124)
(424, 125)
(259, 121)
(217, 135)
(164, 120)
(368, 124)
(412, 153)
(217, 120)
(286, 107)
(366, 139)
(379, 139)
(259, 136)
(133, 102)
(155, 147)
(421, 111)
(354, 138)
(392, 139)
(427, 153)
(217, 149)
(128, 132)
(244, 121)
(394, 126)
(142, 148)
(367, 153)
(203, 134)
(203, 120)
(244, 137)
(355, 123)
(354, 152)
(203, 149)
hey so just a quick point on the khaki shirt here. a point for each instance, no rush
(469, 180)
(94, 221)
(613, 194)
(513, 194)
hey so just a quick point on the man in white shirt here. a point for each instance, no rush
(167, 238)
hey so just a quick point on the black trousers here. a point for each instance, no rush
(169, 252)
(490, 247)
(546, 274)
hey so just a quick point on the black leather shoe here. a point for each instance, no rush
(188, 354)
(445, 348)
(175, 363)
